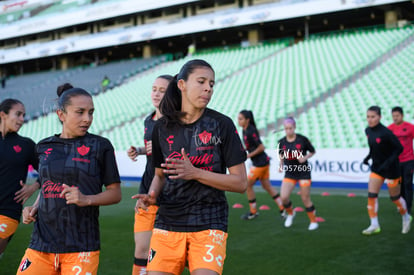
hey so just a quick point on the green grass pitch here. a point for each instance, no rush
(263, 246)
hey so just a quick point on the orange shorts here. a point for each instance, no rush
(169, 251)
(390, 182)
(302, 183)
(36, 262)
(144, 220)
(261, 173)
(7, 226)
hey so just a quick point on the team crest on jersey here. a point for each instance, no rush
(25, 265)
(151, 254)
(17, 148)
(83, 150)
(378, 140)
(298, 146)
(205, 137)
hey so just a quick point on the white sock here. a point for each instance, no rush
(374, 222)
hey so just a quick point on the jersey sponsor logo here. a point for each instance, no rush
(151, 254)
(204, 159)
(47, 153)
(84, 257)
(83, 150)
(51, 189)
(25, 265)
(378, 140)
(170, 141)
(17, 148)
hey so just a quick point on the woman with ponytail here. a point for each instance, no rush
(16, 154)
(73, 167)
(260, 161)
(192, 146)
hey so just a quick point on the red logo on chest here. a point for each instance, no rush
(298, 146)
(83, 150)
(378, 140)
(205, 137)
(17, 148)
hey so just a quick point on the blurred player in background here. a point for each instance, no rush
(144, 220)
(260, 161)
(16, 154)
(404, 131)
(294, 151)
(384, 149)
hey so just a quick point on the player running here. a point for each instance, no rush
(144, 220)
(294, 152)
(73, 167)
(16, 154)
(384, 149)
(192, 146)
(260, 161)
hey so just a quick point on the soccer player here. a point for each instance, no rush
(73, 167)
(405, 134)
(294, 151)
(16, 154)
(384, 149)
(144, 220)
(192, 146)
(260, 168)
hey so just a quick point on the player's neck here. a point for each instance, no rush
(192, 115)
(291, 138)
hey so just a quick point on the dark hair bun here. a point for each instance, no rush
(62, 88)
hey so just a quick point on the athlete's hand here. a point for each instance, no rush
(25, 192)
(132, 153)
(29, 214)
(148, 147)
(144, 200)
(302, 160)
(74, 196)
(180, 168)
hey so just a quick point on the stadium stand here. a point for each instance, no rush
(43, 85)
(245, 80)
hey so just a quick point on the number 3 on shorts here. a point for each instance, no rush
(210, 257)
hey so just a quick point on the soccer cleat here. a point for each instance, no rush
(371, 230)
(249, 216)
(289, 219)
(406, 225)
(313, 226)
(283, 214)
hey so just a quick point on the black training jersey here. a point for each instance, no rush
(16, 154)
(252, 140)
(86, 162)
(149, 169)
(290, 152)
(211, 143)
(384, 149)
